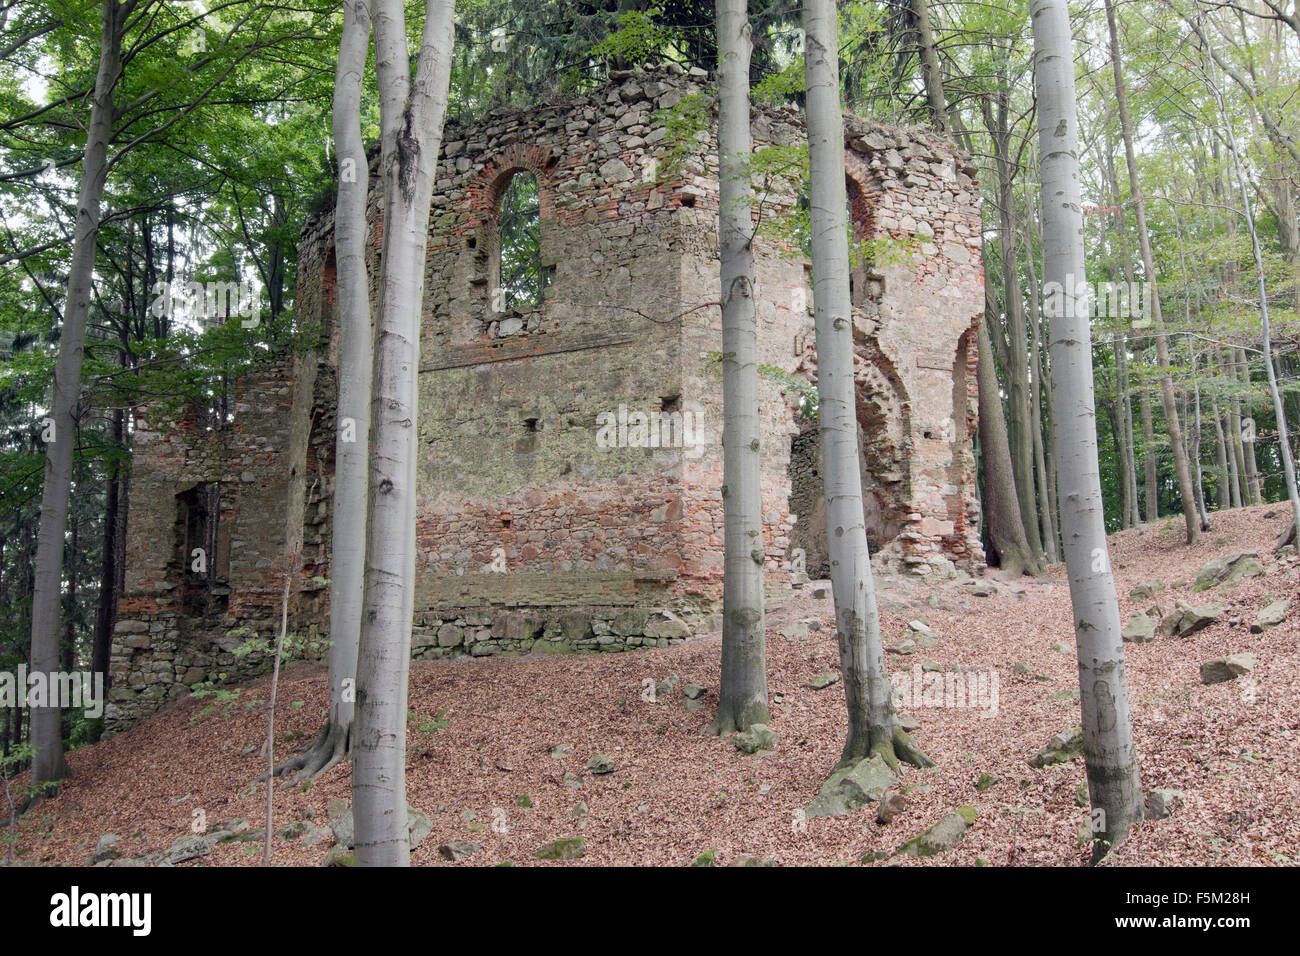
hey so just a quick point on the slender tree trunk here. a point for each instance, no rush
(49, 764)
(1018, 411)
(1240, 489)
(1114, 784)
(1124, 438)
(1046, 506)
(1241, 367)
(1196, 454)
(742, 693)
(866, 684)
(1191, 519)
(412, 115)
(1150, 460)
(1222, 495)
(1001, 506)
(931, 74)
(352, 436)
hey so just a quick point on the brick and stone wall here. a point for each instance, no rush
(533, 533)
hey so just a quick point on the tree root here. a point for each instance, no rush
(332, 744)
(907, 750)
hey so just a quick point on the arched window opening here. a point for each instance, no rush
(523, 278)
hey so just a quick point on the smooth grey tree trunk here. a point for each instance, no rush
(1222, 495)
(1254, 493)
(1150, 460)
(867, 691)
(352, 437)
(412, 114)
(742, 692)
(48, 764)
(1114, 784)
(1001, 506)
(1046, 504)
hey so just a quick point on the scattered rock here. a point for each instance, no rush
(560, 751)
(600, 764)
(987, 780)
(570, 849)
(1146, 591)
(458, 850)
(944, 835)
(905, 648)
(1140, 629)
(105, 848)
(920, 627)
(1081, 795)
(188, 847)
(892, 803)
(1227, 668)
(664, 688)
(1184, 620)
(1162, 803)
(694, 691)
(745, 859)
(757, 737)
(1271, 616)
(795, 631)
(983, 589)
(852, 787)
(1063, 747)
(705, 859)
(1228, 570)
(824, 680)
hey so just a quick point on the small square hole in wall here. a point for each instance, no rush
(505, 519)
(670, 403)
(471, 243)
(533, 424)
(688, 200)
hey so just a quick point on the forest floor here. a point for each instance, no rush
(481, 764)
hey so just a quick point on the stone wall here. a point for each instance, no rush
(547, 521)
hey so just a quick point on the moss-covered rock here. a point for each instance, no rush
(570, 849)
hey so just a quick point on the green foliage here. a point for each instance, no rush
(639, 36)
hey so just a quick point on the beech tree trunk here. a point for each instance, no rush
(1114, 784)
(1001, 506)
(742, 692)
(412, 114)
(867, 689)
(352, 436)
(49, 765)
(1150, 460)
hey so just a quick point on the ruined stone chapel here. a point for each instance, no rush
(570, 457)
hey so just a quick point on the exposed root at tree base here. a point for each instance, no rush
(332, 745)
